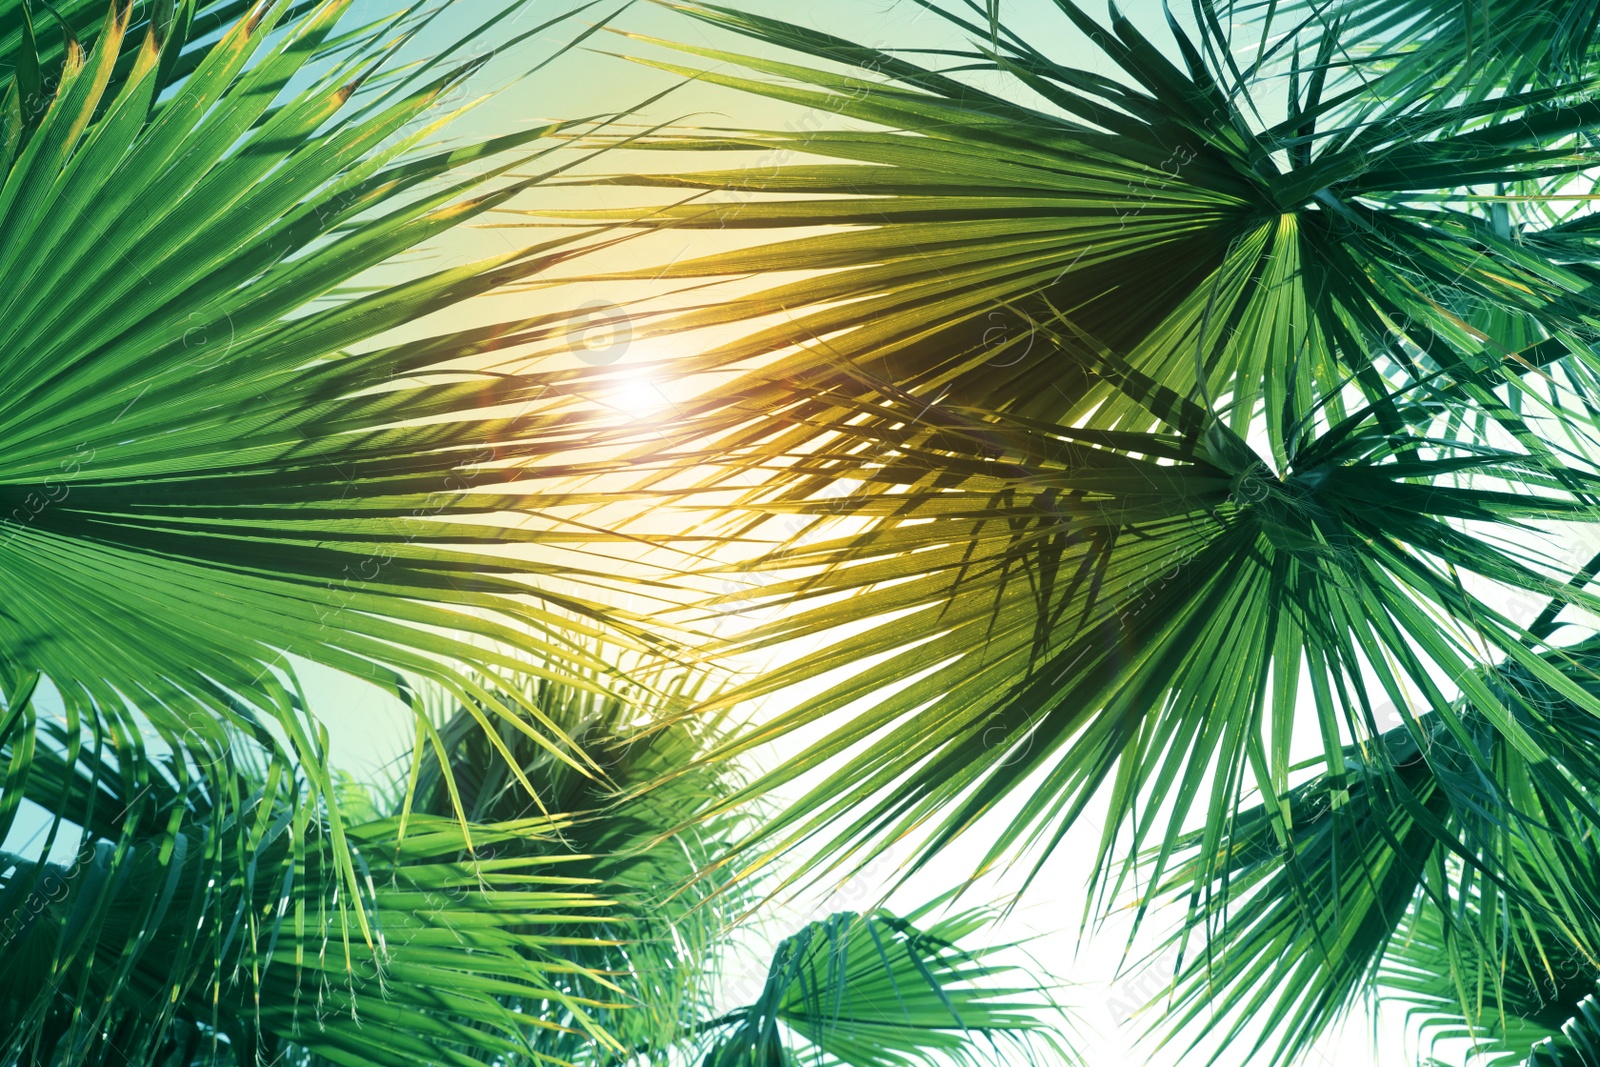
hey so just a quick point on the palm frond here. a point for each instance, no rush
(522, 937)
(1346, 882)
(1475, 48)
(1073, 569)
(649, 954)
(1533, 1020)
(207, 913)
(1268, 262)
(220, 454)
(1058, 610)
(876, 990)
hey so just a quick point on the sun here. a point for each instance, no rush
(636, 394)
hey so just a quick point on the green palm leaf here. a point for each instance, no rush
(1481, 46)
(1065, 610)
(1547, 1019)
(35, 39)
(557, 937)
(1067, 567)
(219, 456)
(1218, 251)
(201, 914)
(1347, 881)
(875, 990)
(671, 905)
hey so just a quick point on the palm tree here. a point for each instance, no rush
(1237, 388)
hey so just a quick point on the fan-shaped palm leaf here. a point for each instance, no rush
(219, 455)
(1076, 608)
(876, 990)
(1346, 881)
(1160, 210)
(1075, 572)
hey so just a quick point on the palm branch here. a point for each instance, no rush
(531, 936)
(649, 955)
(221, 455)
(878, 990)
(579, 936)
(1544, 1017)
(1473, 48)
(1345, 886)
(1078, 609)
(1069, 566)
(203, 919)
(1178, 226)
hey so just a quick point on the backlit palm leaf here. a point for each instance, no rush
(219, 455)
(876, 990)
(1348, 880)
(1160, 210)
(1078, 609)
(1075, 572)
